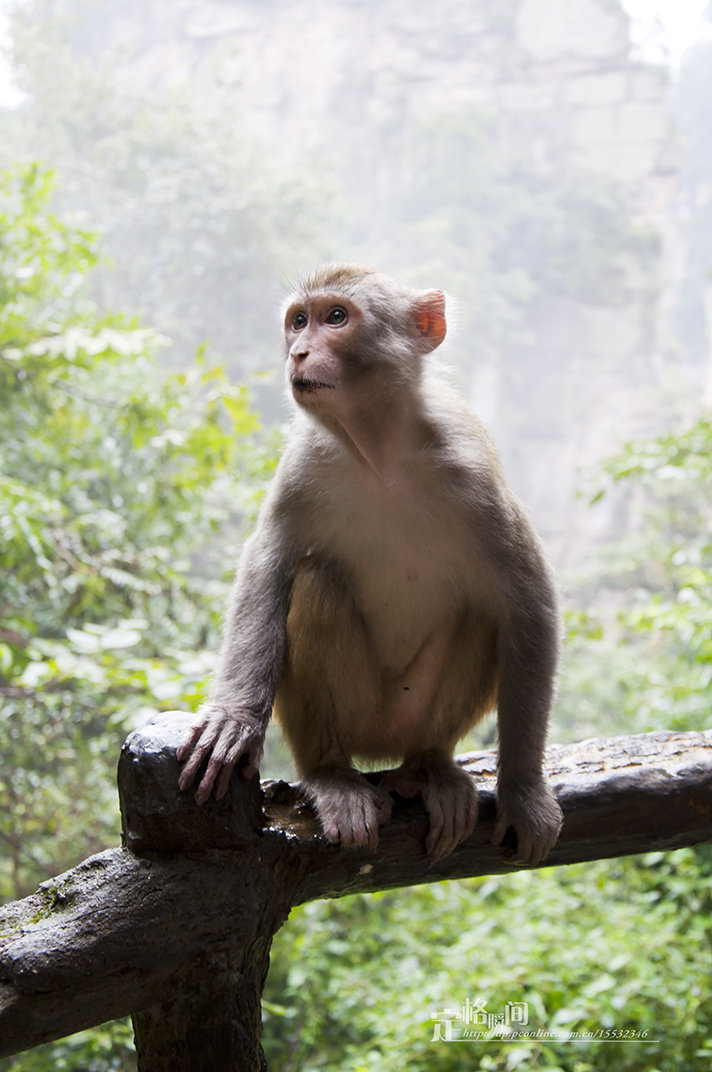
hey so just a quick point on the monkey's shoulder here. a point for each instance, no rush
(462, 455)
(456, 427)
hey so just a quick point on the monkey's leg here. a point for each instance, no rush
(330, 684)
(449, 794)
(465, 689)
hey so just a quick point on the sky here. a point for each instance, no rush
(661, 31)
(8, 94)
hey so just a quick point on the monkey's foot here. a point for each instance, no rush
(534, 813)
(350, 809)
(450, 797)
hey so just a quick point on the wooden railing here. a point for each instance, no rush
(175, 927)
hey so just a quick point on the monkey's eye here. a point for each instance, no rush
(299, 321)
(337, 316)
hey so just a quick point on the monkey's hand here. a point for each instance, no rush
(534, 813)
(350, 809)
(225, 737)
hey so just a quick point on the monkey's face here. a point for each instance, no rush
(355, 339)
(324, 358)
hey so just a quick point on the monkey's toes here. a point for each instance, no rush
(536, 818)
(452, 806)
(354, 827)
(350, 809)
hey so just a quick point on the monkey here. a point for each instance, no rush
(393, 592)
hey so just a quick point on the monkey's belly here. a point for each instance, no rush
(416, 706)
(407, 605)
(403, 725)
(435, 657)
(394, 667)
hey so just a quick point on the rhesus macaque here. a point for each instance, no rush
(393, 592)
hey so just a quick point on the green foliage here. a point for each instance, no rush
(652, 663)
(109, 1049)
(619, 946)
(114, 479)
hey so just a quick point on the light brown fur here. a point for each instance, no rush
(394, 590)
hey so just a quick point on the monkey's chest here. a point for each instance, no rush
(408, 577)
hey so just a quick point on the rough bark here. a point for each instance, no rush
(209, 1018)
(181, 938)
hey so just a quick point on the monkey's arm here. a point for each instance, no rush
(527, 656)
(231, 724)
(525, 605)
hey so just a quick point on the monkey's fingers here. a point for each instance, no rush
(195, 758)
(207, 782)
(529, 851)
(521, 856)
(229, 758)
(219, 771)
(372, 843)
(206, 742)
(198, 741)
(360, 834)
(443, 838)
(359, 825)
(234, 740)
(533, 848)
(189, 739)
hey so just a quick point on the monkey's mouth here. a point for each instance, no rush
(305, 384)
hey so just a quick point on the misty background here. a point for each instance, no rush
(547, 162)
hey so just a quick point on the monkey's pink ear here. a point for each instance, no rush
(429, 316)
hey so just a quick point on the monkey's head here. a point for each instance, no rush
(350, 331)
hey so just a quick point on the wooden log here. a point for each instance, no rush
(620, 796)
(126, 931)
